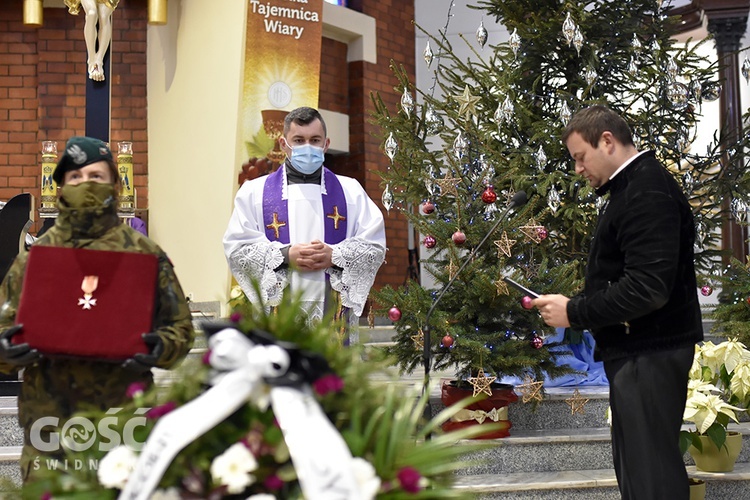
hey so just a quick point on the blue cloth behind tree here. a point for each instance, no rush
(579, 356)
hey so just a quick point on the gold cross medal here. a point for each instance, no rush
(89, 287)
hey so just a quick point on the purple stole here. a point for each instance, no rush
(276, 210)
(276, 216)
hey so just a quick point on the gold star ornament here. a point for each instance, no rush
(451, 269)
(577, 403)
(481, 383)
(467, 103)
(418, 340)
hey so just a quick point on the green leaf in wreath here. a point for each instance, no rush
(260, 145)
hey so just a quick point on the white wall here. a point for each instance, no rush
(194, 78)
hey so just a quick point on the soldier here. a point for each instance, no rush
(58, 387)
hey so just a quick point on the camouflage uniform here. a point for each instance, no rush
(60, 387)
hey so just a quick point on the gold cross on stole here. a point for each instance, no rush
(276, 224)
(336, 217)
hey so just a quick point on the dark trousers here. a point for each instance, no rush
(647, 395)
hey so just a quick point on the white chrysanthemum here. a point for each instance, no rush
(236, 292)
(169, 494)
(367, 479)
(233, 467)
(116, 466)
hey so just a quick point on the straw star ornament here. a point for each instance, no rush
(448, 185)
(530, 390)
(481, 383)
(504, 244)
(577, 403)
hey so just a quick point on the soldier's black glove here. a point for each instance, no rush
(141, 363)
(16, 354)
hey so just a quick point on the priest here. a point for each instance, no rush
(307, 228)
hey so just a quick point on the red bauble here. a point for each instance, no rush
(459, 238)
(706, 290)
(489, 195)
(428, 207)
(394, 313)
(429, 241)
(537, 342)
(748, 301)
(542, 232)
(447, 341)
(526, 302)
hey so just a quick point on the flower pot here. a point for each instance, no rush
(712, 459)
(697, 489)
(492, 410)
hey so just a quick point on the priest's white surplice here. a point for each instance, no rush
(252, 256)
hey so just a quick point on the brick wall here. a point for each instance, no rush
(43, 89)
(395, 42)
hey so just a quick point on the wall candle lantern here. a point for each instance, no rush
(157, 12)
(125, 171)
(49, 186)
(33, 12)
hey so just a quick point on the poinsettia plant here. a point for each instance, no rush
(246, 456)
(718, 388)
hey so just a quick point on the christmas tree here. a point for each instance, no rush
(732, 315)
(490, 127)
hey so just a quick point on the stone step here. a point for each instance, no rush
(595, 484)
(560, 450)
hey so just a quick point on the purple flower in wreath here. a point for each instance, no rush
(273, 482)
(135, 389)
(161, 410)
(235, 317)
(410, 479)
(327, 384)
(206, 359)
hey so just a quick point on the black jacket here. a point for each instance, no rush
(641, 292)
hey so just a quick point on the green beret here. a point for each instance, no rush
(79, 152)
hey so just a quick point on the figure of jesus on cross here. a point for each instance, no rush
(96, 11)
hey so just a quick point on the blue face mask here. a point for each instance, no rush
(306, 158)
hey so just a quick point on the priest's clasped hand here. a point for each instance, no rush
(141, 363)
(313, 256)
(16, 354)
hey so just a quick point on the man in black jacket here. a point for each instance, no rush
(640, 301)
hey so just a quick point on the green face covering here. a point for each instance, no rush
(87, 210)
(88, 195)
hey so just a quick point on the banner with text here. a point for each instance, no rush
(282, 69)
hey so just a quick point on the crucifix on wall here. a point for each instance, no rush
(97, 32)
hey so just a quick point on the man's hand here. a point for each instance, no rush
(16, 354)
(313, 256)
(553, 309)
(141, 363)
